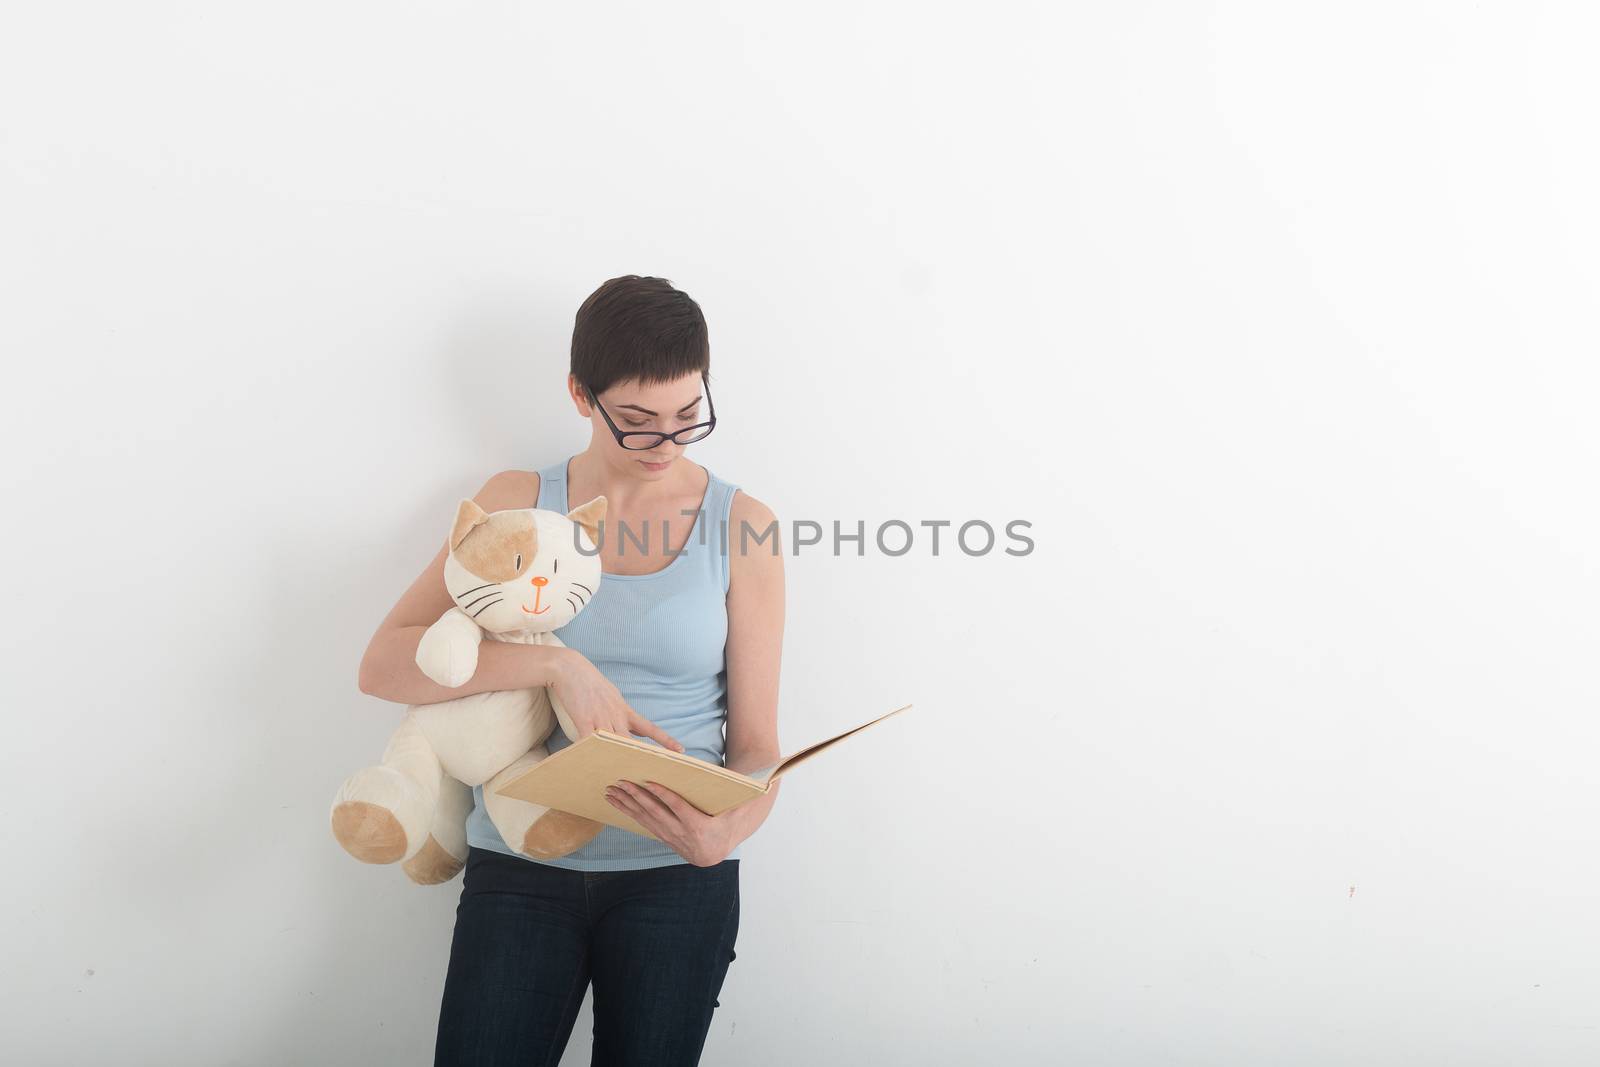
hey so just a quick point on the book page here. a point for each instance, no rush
(806, 753)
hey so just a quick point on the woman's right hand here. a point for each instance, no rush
(593, 703)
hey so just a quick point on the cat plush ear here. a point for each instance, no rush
(590, 516)
(468, 516)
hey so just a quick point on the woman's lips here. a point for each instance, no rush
(663, 465)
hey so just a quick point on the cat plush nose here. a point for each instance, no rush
(541, 582)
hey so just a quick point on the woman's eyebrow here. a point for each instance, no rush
(647, 411)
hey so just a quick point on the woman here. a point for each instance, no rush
(682, 639)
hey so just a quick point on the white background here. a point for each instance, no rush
(1277, 322)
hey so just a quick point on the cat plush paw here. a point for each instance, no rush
(448, 653)
(432, 864)
(444, 854)
(381, 816)
(368, 832)
(556, 833)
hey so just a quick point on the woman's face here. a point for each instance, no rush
(635, 407)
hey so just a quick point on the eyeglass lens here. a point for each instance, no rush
(650, 440)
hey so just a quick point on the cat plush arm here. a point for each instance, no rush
(448, 651)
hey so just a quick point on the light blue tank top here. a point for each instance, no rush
(660, 638)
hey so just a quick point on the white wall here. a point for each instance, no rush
(1276, 321)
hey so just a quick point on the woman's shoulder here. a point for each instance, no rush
(747, 508)
(732, 492)
(751, 521)
(508, 490)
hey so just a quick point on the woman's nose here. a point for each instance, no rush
(541, 582)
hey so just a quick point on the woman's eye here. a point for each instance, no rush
(635, 425)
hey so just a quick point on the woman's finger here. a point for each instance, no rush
(644, 726)
(676, 804)
(621, 799)
(662, 821)
(651, 802)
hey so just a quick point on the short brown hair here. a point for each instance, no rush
(638, 327)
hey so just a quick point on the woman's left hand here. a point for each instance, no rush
(704, 840)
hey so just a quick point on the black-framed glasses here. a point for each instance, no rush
(641, 440)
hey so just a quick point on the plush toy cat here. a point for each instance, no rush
(514, 576)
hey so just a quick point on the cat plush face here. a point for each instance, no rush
(522, 569)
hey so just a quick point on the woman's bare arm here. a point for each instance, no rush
(389, 668)
(754, 652)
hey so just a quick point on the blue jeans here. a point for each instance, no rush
(530, 937)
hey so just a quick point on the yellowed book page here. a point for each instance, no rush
(790, 762)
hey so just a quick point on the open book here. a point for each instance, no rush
(575, 778)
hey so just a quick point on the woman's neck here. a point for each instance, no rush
(593, 475)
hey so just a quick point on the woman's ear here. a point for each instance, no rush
(580, 396)
(589, 516)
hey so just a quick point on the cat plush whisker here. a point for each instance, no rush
(585, 588)
(484, 597)
(576, 607)
(474, 589)
(487, 606)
